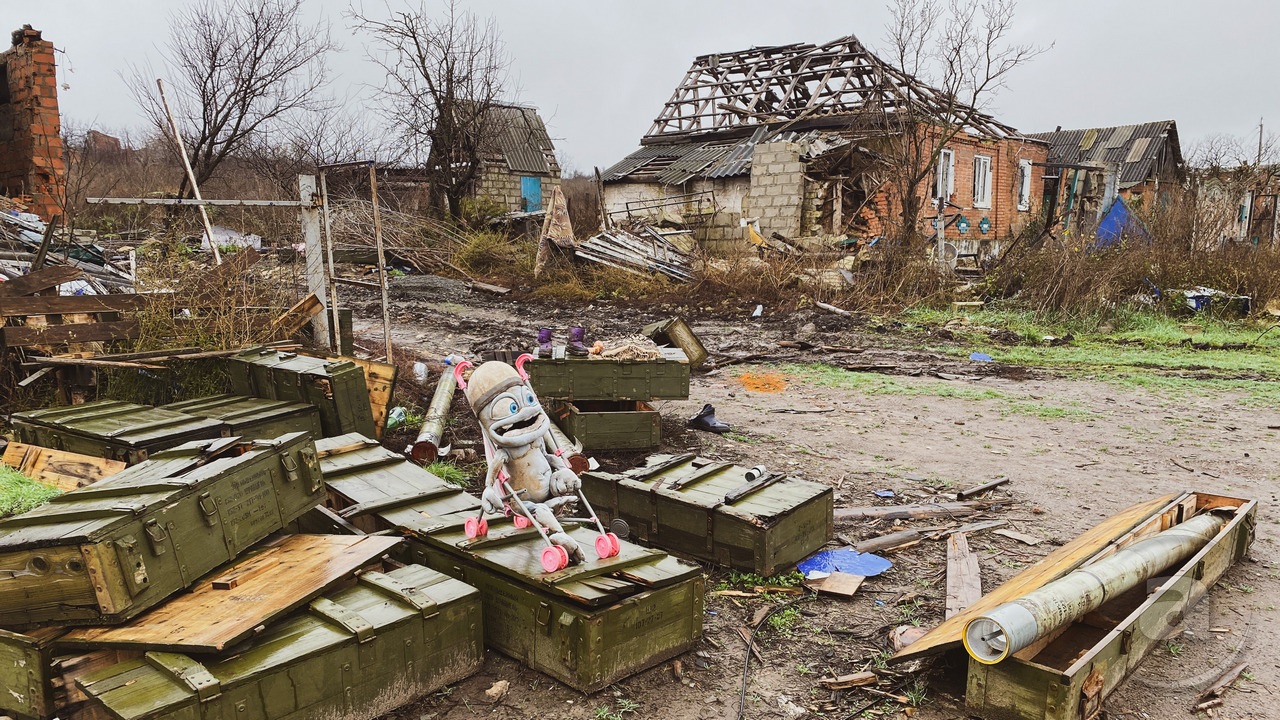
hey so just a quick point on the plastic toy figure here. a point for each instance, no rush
(527, 479)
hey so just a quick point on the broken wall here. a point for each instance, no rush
(31, 154)
(721, 235)
(777, 189)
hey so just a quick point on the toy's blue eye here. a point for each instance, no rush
(514, 408)
(529, 398)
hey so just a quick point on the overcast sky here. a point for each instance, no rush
(600, 70)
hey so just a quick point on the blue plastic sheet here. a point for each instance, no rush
(980, 357)
(845, 560)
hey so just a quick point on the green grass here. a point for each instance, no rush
(449, 473)
(877, 384)
(19, 493)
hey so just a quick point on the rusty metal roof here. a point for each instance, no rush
(1139, 151)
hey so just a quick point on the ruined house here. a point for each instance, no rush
(793, 138)
(521, 168)
(31, 161)
(1090, 168)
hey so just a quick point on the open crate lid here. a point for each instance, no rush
(1113, 533)
(122, 423)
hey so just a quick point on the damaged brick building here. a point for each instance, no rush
(31, 160)
(793, 139)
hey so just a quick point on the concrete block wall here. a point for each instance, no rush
(777, 189)
(503, 187)
(31, 153)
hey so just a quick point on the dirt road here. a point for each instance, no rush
(1075, 449)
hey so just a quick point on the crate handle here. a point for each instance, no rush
(209, 507)
(157, 536)
(290, 467)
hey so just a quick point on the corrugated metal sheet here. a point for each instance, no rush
(1132, 148)
(524, 141)
(692, 163)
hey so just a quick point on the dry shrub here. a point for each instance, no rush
(1078, 280)
(584, 282)
(491, 253)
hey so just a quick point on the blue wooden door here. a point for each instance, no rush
(531, 193)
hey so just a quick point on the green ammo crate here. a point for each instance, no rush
(675, 331)
(710, 511)
(577, 378)
(113, 429)
(26, 674)
(588, 625)
(106, 552)
(253, 418)
(336, 387)
(608, 425)
(356, 654)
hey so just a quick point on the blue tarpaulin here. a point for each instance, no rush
(845, 560)
(1120, 222)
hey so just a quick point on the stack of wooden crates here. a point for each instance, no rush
(605, 404)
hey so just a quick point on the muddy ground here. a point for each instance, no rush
(1076, 449)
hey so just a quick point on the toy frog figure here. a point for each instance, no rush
(527, 478)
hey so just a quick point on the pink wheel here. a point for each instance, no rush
(604, 548)
(617, 544)
(520, 521)
(472, 527)
(484, 527)
(553, 559)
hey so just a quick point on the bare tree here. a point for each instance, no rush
(304, 143)
(961, 53)
(236, 68)
(444, 77)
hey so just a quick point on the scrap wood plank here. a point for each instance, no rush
(63, 470)
(1053, 566)
(23, 336)
(1023, 538)
(381, 379)
(259, 588)
(844, 682)
(837, 583)
(44, 279)
(61, 304)
(296, 317)
(906, 512)
(964, 579)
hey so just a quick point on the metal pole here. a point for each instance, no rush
(195, 188)
(1010, 627)
(336, 341)
(382, 259)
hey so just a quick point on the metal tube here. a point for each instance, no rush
(427, 447)
(570, 452)
(1010, 627)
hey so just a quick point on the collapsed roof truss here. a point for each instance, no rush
(802, 81)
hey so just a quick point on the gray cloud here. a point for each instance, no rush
(600, 70)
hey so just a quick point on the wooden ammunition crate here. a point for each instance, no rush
(107, 552)
(675, 331)
(227, 607)
(356, 654)
(1068, 674)
(253, 418)
(607, 424)
(113, 429)
(710, 511)
(336, 387)
(576, 378)
(588, 625)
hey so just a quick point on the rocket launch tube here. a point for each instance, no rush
(1008, 628)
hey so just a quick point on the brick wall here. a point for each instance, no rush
(1006, 218)
(31, 160)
